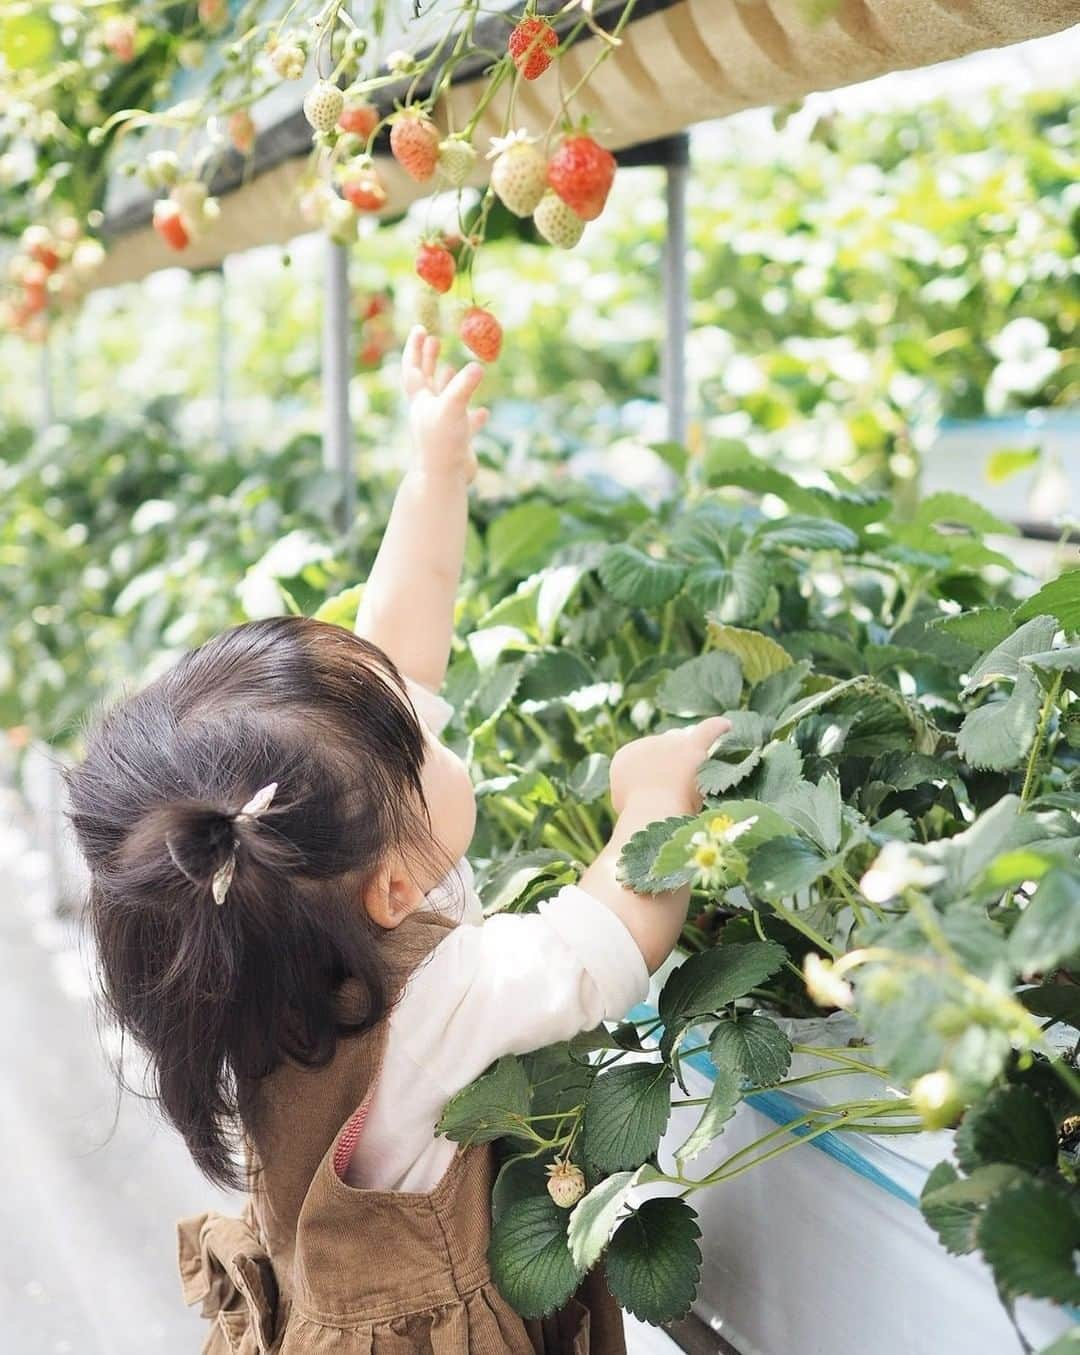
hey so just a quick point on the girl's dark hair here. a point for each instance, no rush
(219, 995)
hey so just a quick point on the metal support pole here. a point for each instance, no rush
(337, 428)
(676, 302)
(47, 409)
(224, 431)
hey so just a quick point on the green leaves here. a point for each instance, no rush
(626, 1114)
(1010, 1125)
(952, 1205)
(999, 734)
(638, 859)
(759, 656)
(708, 685)
(1059, 598)
(593, 1216)
(521, 536)
(723, 1098)
(530, 1257)
(638, 579)
(752, 1047)
(495, 1104)
(1049, 928)
(1030, 1235)
(783, 866)
(654, 1261)
(709, 981)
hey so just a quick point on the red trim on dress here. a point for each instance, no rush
(347, 1140)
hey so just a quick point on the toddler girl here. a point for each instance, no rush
(285, 923)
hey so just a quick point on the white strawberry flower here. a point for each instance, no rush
(503, 143)
(825, 986)
(896, 869)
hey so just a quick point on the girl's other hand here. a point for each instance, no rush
(440, 420)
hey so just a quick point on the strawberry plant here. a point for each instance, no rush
(891, 829)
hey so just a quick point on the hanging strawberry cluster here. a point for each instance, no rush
(558, 176)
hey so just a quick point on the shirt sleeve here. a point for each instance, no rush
(435, 711)
(517, 983)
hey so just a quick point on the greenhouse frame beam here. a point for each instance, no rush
(337, 425)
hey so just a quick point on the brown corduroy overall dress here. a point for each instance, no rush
(315, 1266)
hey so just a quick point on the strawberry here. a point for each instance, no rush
(358, 117)
(322, 105)
(531, 45)
(481, 333)
(287, 61)
(427, 310)
(242, 130)
(457, 156)
(414, 143)
(557, 223)
(435, 264)
(378, 303)
(519, 174)
(363, 188)
(169, 224)
(39, 244)
(566, 1183)
(118, 35)
(582, 172)
(213, 13)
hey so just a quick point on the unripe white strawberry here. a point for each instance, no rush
(427, 310)
(566, 1183)
(339, 220)
(519, 174)
(559, 224)
(161, 169)
(288, 61)
(322, 106)
(456, 159)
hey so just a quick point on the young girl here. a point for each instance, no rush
(285, 923)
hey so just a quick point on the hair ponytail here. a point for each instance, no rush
(168, 798)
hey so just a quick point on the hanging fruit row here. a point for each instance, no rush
(558, 176)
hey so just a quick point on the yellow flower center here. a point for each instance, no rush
(719, 824)
(706, 857)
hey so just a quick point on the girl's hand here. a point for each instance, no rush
(662, 768)
(440, 420)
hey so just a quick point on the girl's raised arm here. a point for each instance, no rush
(408, 603)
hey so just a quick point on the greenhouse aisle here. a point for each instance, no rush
(92, 1189)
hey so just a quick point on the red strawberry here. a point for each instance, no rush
(414, 142)
(435, 264)
(118, 34)
(532, 44)
(38, 243)
(169, 224)
(242, 130)
(582, 172)
(359, 117)
(214, 13)
(364, 189)
(481, 333)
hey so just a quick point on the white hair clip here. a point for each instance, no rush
(255, 808)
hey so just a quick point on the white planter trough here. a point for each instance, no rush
(823, 1250)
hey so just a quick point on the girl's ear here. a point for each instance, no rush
(390, 894)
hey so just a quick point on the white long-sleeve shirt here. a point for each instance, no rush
(507, 984)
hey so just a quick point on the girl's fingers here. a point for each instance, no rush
(430, 355)
(477, 419)
(442, 377)
(411, 356)
(461, 388)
